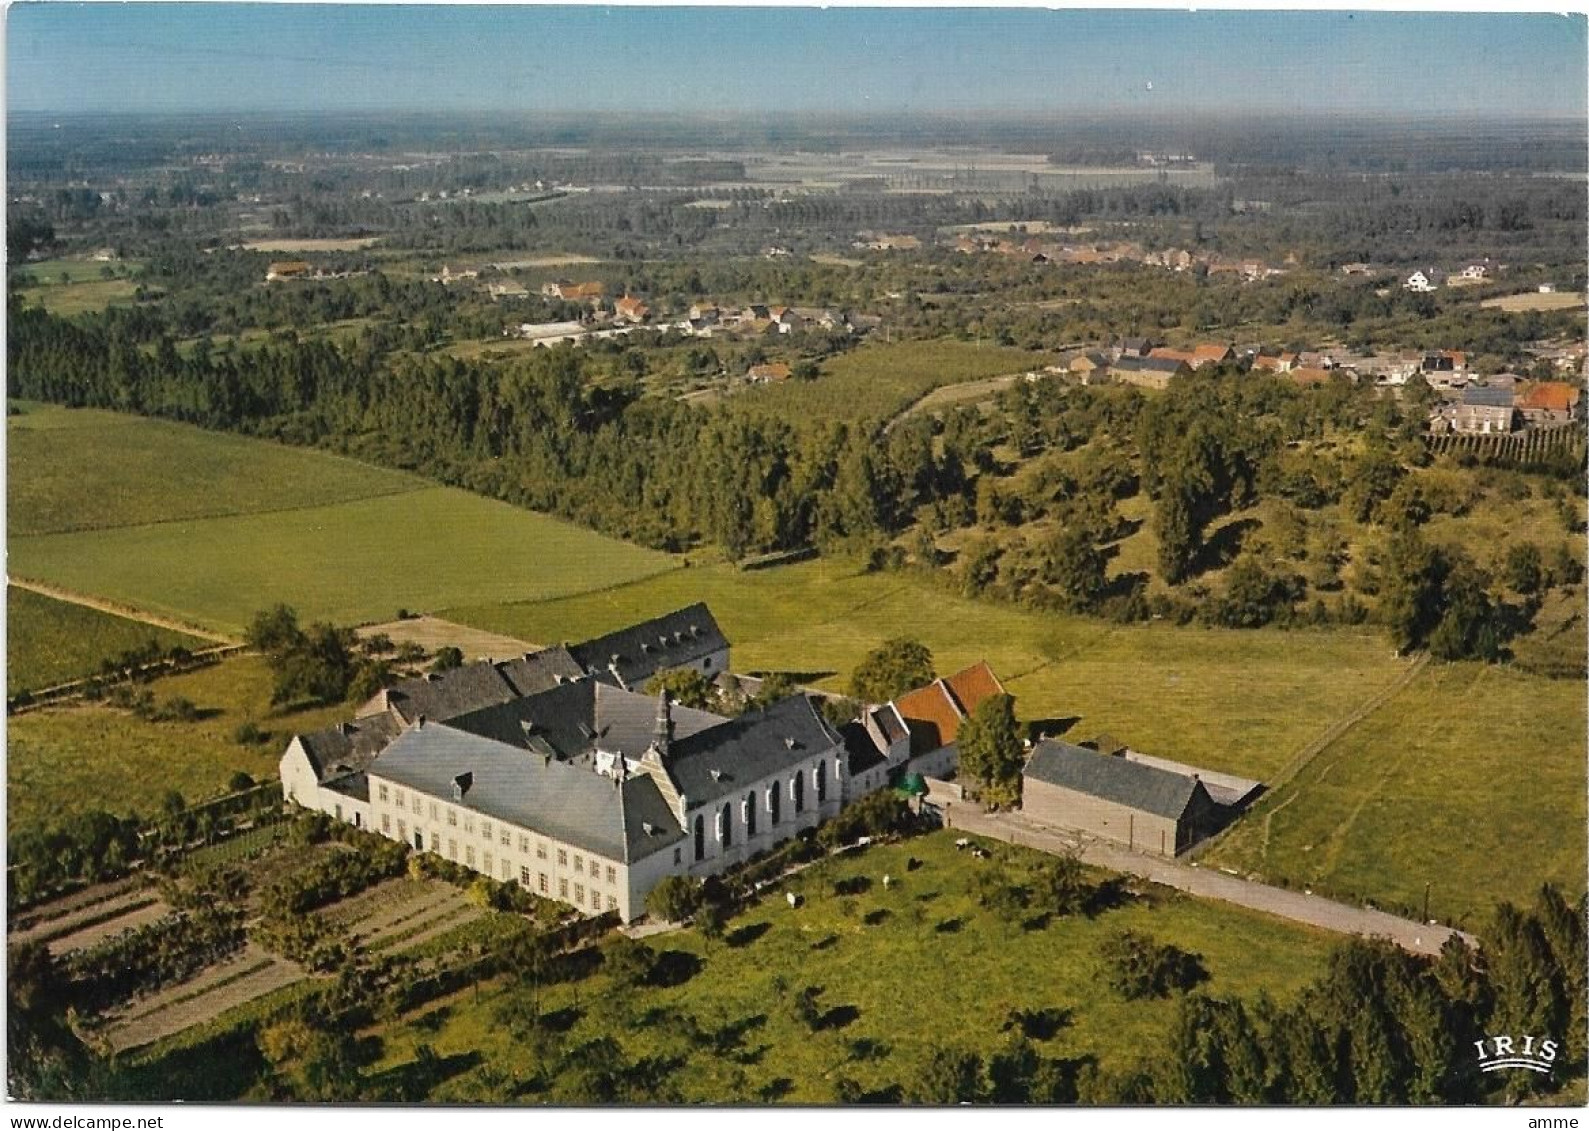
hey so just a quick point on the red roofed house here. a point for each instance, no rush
(771, 371)
(1209, 355)
(631, 309)
(1544, 403)
(1281, 362)
(1165, 353)
(934, 713)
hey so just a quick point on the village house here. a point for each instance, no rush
(551, 771)
(630, 309)
(1424, 281)
(1281, 362)
(768, 372)
(1545, 404)
(933, 714)
(1147, 372)
(1485, 410)
(1090, 367)
(287, 269)
(591, 293)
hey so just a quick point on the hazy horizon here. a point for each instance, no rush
(842, 62)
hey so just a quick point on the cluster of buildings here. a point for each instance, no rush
(1036, 250)
(1504, 404)
(556, 771)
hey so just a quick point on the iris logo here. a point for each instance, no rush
(1535, 1055)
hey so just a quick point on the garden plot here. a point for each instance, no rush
(251, 974)
(69, 912)
(97, 930)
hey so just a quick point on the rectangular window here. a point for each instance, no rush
(485, 830)
(468, 824)
(540, 850)
(579, 863)
(486, 865)
(435, 810)
(386, 822)
(468, 855)
(452, 816)
(524, 843)
(382, 792)
(507, 837)
(562, 857)
(562, 888)
(402, 830)
(524, 876)
(545, 887)
(399, 798)
(579, 894)
(452, 849)
(418, 809)
(678, 855)
(507, 868)
(612, 874)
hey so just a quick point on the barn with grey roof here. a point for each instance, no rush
(1143, 806)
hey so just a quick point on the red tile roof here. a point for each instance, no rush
(1164, 353)
(1551, 396)
(934, 713)
(1310, 376)
(973, 685)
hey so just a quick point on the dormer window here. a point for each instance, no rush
(461, 784)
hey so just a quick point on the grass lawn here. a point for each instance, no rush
(893, 967)
(69, 759)
(879, 379)
(80, 469)
(1238, 701)
(50, 642)
(348, 562)
(85, 294)
(1471, 780)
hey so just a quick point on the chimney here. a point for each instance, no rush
(420, 722)
(662, 735)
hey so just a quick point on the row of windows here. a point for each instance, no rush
(596, 865)
(724, 822)
(577, 897)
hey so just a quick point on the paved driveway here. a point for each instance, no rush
(1420, 938)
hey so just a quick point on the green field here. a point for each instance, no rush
(1208, 696)
(78, 286)
(208, 529)
(50, 642)
(896, 986)
(68, 759)
(879, 379)
(1471, 780)
(82, 469)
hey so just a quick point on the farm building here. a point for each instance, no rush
(1144, 803)
(932, 715)
(1147, 372)
(1485, 410)
(1544, 403)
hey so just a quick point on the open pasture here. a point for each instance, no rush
(1534, 300)
(886, 967)
(49, 642)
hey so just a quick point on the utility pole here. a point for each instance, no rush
(1426, 903)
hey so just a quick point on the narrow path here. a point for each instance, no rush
(124, 611)
(1298, 907)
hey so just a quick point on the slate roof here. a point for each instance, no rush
(633, 655)
(443, 695)
(623, 820)
(889, 721)
(756, 745)
(1148, 365)
(1146, 788)
(535, 672)
(347, 748)
(574, 719)
(1487, 397)
(861, 748)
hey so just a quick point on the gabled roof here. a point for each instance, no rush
(1149, 365)
(576, 719)
(1487, 396)
(621, 819)
(1209, 352)
(1165, 353)
(889, 722)
(1304, 375)
(1113, 778)
(1553, 396)
(633, 655)
(863, 751)
(534, 672)
(441, 695)
(934, 713)
(756, 745)
(347, 748)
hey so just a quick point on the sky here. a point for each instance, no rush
(75, 58)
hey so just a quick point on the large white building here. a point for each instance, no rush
(549, 771)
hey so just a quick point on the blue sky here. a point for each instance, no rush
(238, 57)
